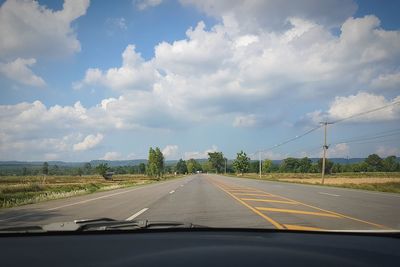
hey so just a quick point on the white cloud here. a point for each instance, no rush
(144, 4)
(35, 31)
(339, 150)
(116, 23)
(134, 74)
(347, 106)
(89, 142)
(245, 121)
(221, 71)
(200, 155)
(385, 151)
(170, 151)
(112, 156)
(19, 71)
(273, 14)
(387, 81)
(226, 71)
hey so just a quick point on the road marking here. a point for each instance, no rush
(173, 191)
(329, 194)
(301, 227)
(298, 212)
(251, 194)
(136, 214)
(268, 200)
(106, 196)
(14, 217)
(331, 212)
(276, 224)
(339, 214)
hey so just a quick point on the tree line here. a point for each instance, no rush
(215, 163)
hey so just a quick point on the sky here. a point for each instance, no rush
(85, 80)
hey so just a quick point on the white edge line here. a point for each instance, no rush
(329, 194)
(136, 214)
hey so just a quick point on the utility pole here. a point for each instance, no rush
(259, 165)
(225, 164)
(325, 146)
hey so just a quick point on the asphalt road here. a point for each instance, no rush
(219, 201)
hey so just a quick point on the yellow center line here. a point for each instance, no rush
(301, 227)
(253, 194)
(327, 211)
(298, 212)
(276, 224)
(268, 200)
(338, 214)
(243, 190)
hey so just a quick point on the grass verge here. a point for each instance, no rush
(21, 190)
(381, 182)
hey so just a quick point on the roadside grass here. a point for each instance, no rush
(373, 181)
(21, 190)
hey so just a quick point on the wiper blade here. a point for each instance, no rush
(129, 225)
(101, 224)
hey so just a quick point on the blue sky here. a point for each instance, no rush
(87, 80)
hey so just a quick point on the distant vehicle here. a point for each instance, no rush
(199, 172)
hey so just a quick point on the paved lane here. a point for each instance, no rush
(219, 201)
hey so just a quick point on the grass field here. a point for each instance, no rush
(374, 181)
(21, 190)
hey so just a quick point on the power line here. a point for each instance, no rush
(366, 112)
(365, 138)
(289, 140)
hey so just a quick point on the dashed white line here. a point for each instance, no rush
(333, 195)
(136, 214)
(173, 191)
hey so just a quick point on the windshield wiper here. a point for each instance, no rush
(101, 224)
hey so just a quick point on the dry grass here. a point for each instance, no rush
(374, 181)
(340, 181)
(21, 190)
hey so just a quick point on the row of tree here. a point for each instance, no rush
(217, 163)
(373, 163)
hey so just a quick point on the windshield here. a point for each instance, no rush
(181, 113)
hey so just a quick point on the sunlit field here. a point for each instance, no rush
(20, 190)
(375, 181)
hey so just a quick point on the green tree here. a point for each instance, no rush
(206, 166)
(102, 169)
(390, 164)
(337, 168)
(87, 167)
(142, 168)
(193, 166)
(159, 162)
(289, 165)
(155, 165)
(181, 167)
(304, 165)
(328, 166)
(79, 171)
(152, 163)
(45, 168)
(266, 166)
(216, 160)
(241, 163)
(374, 162)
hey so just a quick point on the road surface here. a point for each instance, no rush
(219, 201)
